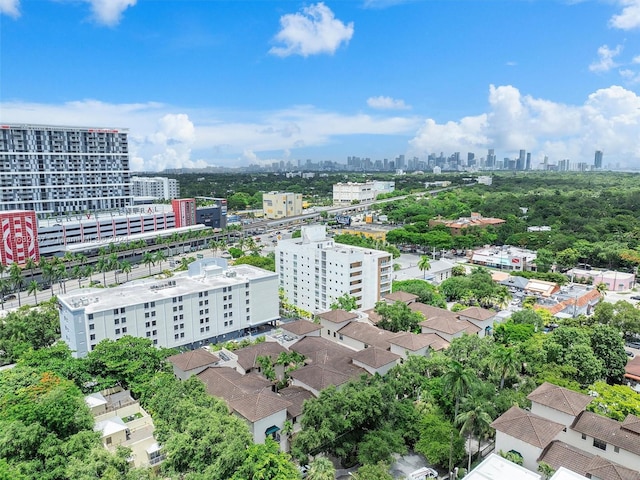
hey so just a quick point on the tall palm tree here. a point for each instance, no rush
(159, 257)
(76, 272)
(125, 266)
(47, 272)
(60, 271)
(456, 380)
(506, 361)
(3, 268)
(4, 288)
(87, 271)
(31, 265)
(15, 274)
(602, 288)
(424, 264)
(474, 421)
(33, 288)
(114, 264)
(321, 468)
(147, 259)
(102, 266)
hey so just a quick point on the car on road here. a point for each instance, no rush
(8, 298)
(629, 353)
(635, 297)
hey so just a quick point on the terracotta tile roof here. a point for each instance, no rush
(559, 454)
(373, 316)
(320, 351)
(319, 377)
(367, 334)
(559, 398)
(260, 405)
(228, 384)
(375, 357)
(338, 316)
(607, 430)
(632, 369)
(477, 313)
(296, 396)
(301, 327)
(632, 423)
(193, 359)
(400, 296)
(526, 426)
(414, 342)
(583, 301)
(450, 325)
(602, 468)
(430, 312)
(247, 356)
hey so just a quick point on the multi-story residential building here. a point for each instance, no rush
(211, 302)
(281, 205)
(214, 215)
(158, 188)
(54, 169)
(314, 270)
(350, 192)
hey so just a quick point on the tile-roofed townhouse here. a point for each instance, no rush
(361, 335)
(558, 403)
(251, 397)
(301, 328)
(333, 320)
(443, 322)
(562, 455)
(328, 363)
(192, 362)
(528, 434)
(371, 316)
(247, 357)
(480, 317)
(375, 360)
(296, 396)
(400, 296)
(408, 343)
(615, 441)
(632, 373)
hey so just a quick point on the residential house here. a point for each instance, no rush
(121, 421)
(480, 317)
(446, 324)
(251, 397)
(334, 320)
(632, 373)
(439, 271)
(192, 362)
(408, 343)
(376, 360)
(300, 329)
(400, 296)
(361, 335)
(247, 357)
(558, 404)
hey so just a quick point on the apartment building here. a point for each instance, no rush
(281, 205)
(349, 192)
(314, 270)
(158, 188)
(209, 303)
(56, 169)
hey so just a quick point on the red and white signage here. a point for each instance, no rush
(19, 237)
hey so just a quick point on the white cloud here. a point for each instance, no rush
(109, 12)
(629, 18)
(630, 76)
(636, 59)
(605, 60)
(10, 8)
(313, 31)
(387, 103)
(609, 119)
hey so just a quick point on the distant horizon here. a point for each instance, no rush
(232, 84)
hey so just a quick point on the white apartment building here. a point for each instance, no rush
(314, 270)
(55, 169)
(209, 303)
(159, 188)
(280, 205)
(347, 193)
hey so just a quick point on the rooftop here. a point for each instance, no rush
(338, 316)
(368, 334)
(193, 359)
(559, 398)
(247, 356)
(526, 426)
(609, 430)
(301, 327)
(400, 296)
(375, 357)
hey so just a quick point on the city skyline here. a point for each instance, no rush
(237, 83)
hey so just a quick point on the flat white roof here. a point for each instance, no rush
(148, 290)
(494, 467)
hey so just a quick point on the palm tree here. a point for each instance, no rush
(321, 468)
(3, 268)
(477, 421)
(424, 265)
(47, 273)
(33, 287)
(148, 259)
(602, 288)
(103, 265)
(546, 470)
(125, 266)
(506, 361)
(15, 274)
(159, 257)
(456, 380)
(31, 265)
(76, 272)
(61, 275)
(114, 264)
(87, 272)
(4, 288)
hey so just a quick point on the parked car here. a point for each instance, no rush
(629, 353)
(7, 298)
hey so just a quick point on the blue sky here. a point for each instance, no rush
(236, 82)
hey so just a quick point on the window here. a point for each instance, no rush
(92, 326)
(584, 436)
(175, 318)
(92, 336)
(148, 334)
(124, 329)
(117, 331)
(153, 314)
(147, 324)
(181, 316)
(248, 309)
(90, 317)
(122, 310)
(182, 325)
(230, 297)
(146, 305)
(201, 329)
(123, 320)
(226, 324)
(176, 336)
(175, 327)
(247, 301)
(230, 322)
(116, 311)
(146, 314)
(175, 309)
(201, 312)
(180, 308)
(155, 341)
(116, 321)
(182, 335)
(153, 323)
(599, 444)
(616, 449)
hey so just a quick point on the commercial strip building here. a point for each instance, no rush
(457, 227)
(209, 303)
(58, 170)
(505, 258)
(158, 188)
(281, 205)
(313, 271)
(614, 280)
